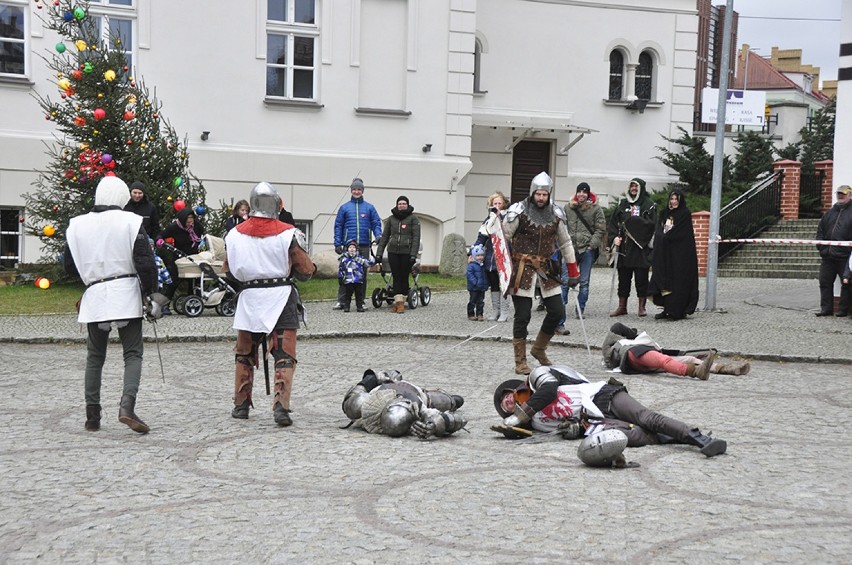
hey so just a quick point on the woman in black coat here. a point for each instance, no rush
(184, 233)
(674, 271)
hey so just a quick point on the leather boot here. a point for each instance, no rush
(521, 367)
(127, 416)
(539, 348)
(701, 371)
(281, 400)
(505, 303)
(622, 308)
(731, 369)
(398, 304)
(710, 446)
(93, 417)
(243, 381)
(642, 300)
(495, 306)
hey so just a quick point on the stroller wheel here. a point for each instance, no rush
(425, 296)
(193, 306)
(179, 305)
(226, 308)
(413, 298)
(378, 297)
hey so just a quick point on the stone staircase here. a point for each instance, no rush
(776, 261)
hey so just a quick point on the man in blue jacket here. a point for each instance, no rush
(355, 221)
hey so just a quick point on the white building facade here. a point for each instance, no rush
(443, 101)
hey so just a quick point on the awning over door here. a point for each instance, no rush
(529, 122)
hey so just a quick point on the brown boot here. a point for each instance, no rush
(398, 304)
(283, 388)
(642, 300)
(126, 415)
(731, 368)
(622, 308)
(521, 367)
(701, 371)
(243, 381)
(539, 348)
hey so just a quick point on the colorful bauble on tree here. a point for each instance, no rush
(79, 121)
(128, 115)
(178, 182)
(67, 16)
(79, 13)
(48, 230)
(200, 210)
(106, 158)
(80, 45)
(87, 67)
(60, 47)
(76, 74)
(64, 84)
(99, 113)
(179, 205)
(109, 75)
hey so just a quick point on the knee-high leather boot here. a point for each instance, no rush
(285, 367)
(539, 348)
(243, 381)
(521, 367)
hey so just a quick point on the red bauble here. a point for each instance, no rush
(128, 115)
(76, 74)
(179, 205)
(79, 121)
(129, 142)
(99, 113)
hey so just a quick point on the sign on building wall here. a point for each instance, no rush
(743, 107)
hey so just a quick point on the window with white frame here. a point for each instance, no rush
(13, 44)
(645, 76)
(292, 37)
(11, 233)
(616, 75)
(110, 25)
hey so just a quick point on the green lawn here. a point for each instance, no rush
(60, 298)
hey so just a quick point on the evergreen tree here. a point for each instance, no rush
(818, 137)
(693, 164)
(789, 152)
(108, 124)
(755, 157)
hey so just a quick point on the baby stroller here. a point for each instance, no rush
(208, 288)
(416, 294)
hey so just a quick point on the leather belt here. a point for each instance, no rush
(267, 283)
(107, 279)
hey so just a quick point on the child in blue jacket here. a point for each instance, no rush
(353, 273)
(477, 284)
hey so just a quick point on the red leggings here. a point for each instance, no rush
(654, 360)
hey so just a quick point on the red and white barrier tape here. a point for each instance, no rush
(788, 242)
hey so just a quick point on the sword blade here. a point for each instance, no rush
(266, 365)
(582, 324)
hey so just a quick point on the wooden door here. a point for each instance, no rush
(529, 158)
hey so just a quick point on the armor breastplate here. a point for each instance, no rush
(537, 243)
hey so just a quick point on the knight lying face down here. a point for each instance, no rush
(384, 403)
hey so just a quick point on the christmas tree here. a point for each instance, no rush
(107, 124)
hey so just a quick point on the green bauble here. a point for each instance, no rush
(79, 13)
(60, 47)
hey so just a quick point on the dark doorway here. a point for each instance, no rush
(528, 159)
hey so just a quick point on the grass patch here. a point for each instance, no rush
(61, 298)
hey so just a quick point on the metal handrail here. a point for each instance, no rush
(747, 195)
(751, 212)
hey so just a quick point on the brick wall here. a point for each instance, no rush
(789, 188)
(827, 182)
(701, 225)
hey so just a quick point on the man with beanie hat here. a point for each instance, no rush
(141, 206)
(108, 249)
(536, 229)
(401, 238)
(631, 228)
(835, 225)
(357, 220)
(586, 226)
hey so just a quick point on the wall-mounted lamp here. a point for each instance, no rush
(427, 148)
(205, 135)
(638, 104)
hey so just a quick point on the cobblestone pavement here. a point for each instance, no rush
(205, 488)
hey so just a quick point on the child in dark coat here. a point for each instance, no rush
(353, 273)
(477, 284)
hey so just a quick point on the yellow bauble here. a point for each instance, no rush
(44, 284)
(49, 230)
(64, 84)
(80, 45)
(109, 75)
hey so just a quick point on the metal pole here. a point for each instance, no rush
(718, 156)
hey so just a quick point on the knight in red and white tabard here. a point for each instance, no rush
(265, 254)
(535, 228)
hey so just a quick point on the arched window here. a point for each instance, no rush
(616, 75)
(645, 76)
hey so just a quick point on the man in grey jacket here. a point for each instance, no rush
(586, 225)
